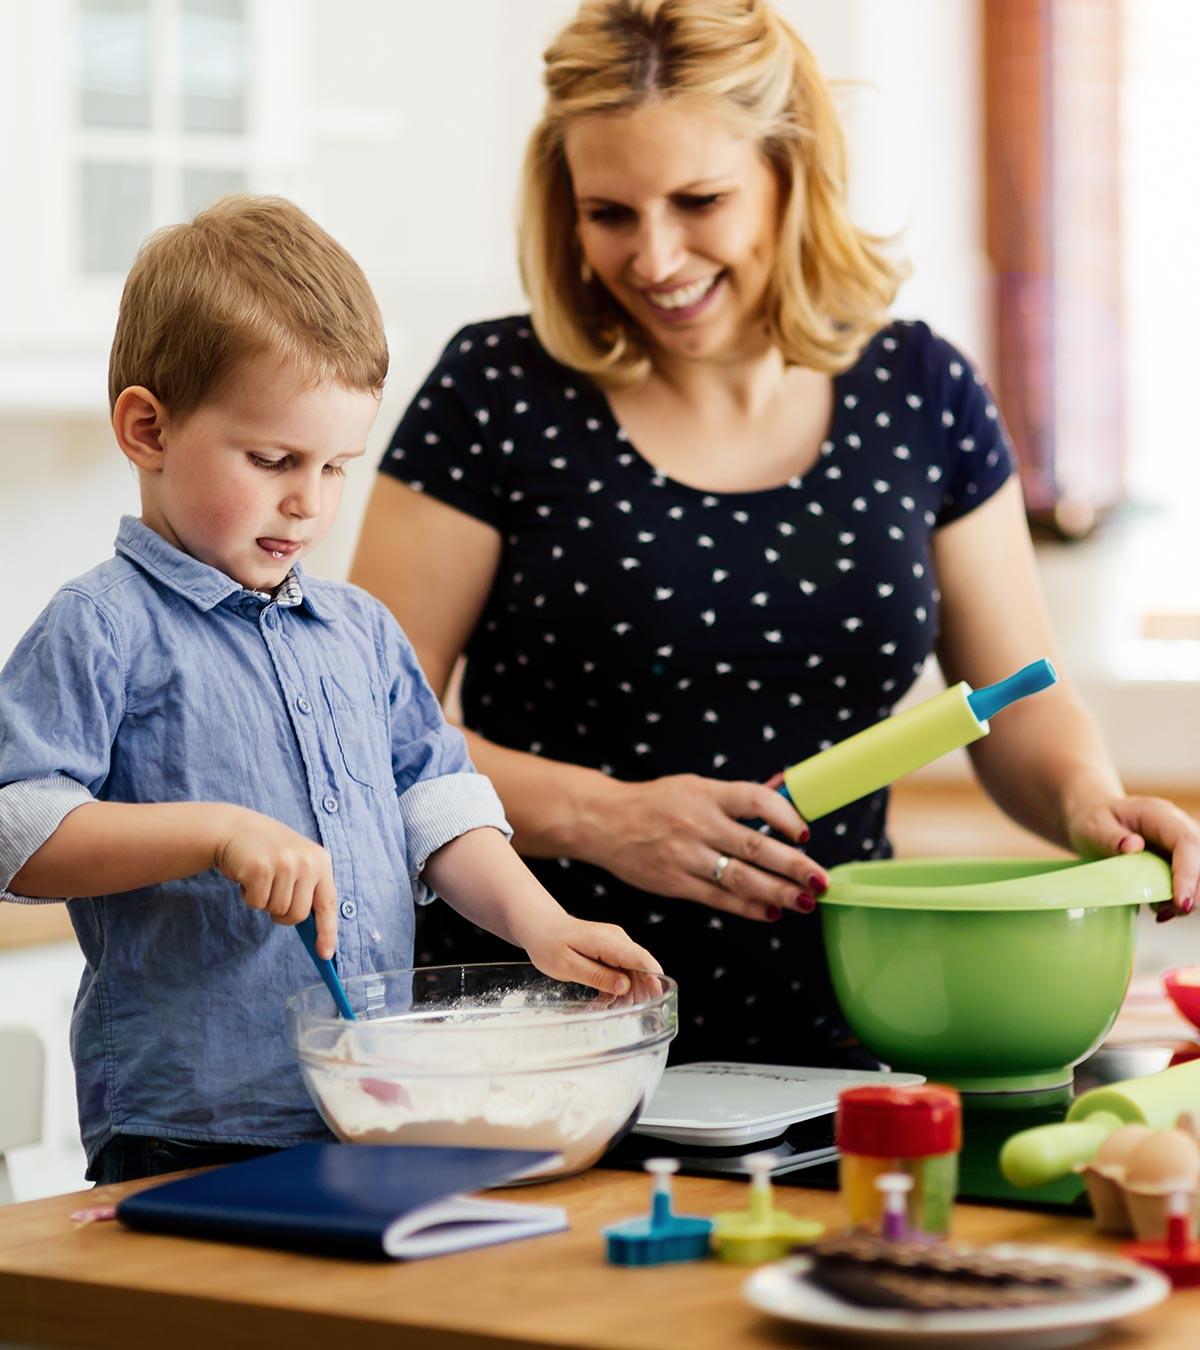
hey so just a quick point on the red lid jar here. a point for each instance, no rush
(899, 1122)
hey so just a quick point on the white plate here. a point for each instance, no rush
(776, 1289)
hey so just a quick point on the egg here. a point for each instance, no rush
(1113, 1155)
(1164, 1160)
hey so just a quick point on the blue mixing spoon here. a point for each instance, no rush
(307, 931)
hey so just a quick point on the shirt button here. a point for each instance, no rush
(330, 805)
(349, 909)
(268, 618)
(303, 704)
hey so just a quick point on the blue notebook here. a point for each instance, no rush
(361, 1200)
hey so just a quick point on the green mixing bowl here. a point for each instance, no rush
(994, 976)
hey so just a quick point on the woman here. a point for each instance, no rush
(707, 511)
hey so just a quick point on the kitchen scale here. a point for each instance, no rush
(713, 1116)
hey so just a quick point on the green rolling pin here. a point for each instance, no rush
(874, 758)
(1045, 1153)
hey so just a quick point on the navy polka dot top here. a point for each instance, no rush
(642, 627)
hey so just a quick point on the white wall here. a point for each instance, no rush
(407, 147)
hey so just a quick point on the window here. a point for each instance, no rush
(129, 115)
(1160, 109)
(114, 64)
(1093, 194)
(161, 119)
(1053, 212)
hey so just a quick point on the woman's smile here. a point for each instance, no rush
(686, 300)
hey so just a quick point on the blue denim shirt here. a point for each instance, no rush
(156, 678)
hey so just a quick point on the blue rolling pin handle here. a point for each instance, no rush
(306, 929)
(985, 703)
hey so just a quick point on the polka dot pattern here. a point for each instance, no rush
(643, 627)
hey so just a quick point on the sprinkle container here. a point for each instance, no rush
(911, 1130)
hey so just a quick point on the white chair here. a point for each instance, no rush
(22, 1070)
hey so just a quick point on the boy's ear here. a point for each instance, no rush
(139, 420)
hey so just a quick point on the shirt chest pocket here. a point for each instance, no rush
(361, 731)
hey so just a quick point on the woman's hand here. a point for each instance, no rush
(682, 836)
(1131, 824)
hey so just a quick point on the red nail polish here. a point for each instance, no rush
(805, 835)
(817, 884)
(804, 902)
(1186, 905)
(774, 914)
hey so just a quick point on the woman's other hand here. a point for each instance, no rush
(683, 836)
(1131, 824)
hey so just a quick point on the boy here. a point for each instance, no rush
(194, 731)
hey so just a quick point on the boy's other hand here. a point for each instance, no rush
(281, 872)
(597, 954)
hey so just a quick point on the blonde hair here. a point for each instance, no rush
(248, 274)
(833, 284)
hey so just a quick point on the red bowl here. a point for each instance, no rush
(1183, 989)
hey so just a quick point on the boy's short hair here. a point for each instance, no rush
(248, 274)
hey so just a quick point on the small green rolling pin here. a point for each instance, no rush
(874, 758)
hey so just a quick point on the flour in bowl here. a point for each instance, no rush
(488, 1080)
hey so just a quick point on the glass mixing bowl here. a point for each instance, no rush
(493, 1056)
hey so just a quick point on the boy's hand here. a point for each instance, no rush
(480, 874)
(597, 954)
(281, 872)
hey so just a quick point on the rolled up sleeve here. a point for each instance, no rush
(62, 695)
(30, 812)
(437, 810)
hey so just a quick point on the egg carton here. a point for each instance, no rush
(1136, 1171)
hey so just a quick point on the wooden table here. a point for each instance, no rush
(99, 1285)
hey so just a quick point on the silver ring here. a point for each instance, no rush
(718, 868)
